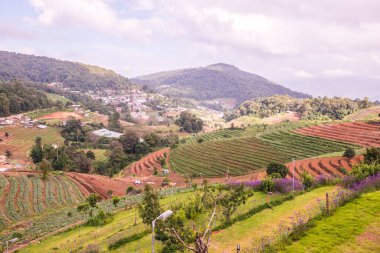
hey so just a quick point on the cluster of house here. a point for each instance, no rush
(21, 120)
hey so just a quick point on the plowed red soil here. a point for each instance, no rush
(61, 115)
(358, 133)
(327, 166)
(145, 166)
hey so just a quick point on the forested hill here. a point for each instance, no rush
(214, 81)
(15, 98)
(47, 70)
(309, 108)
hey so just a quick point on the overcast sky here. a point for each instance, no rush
(322, 47)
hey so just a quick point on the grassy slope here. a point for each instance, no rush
(55, 97)
(353, 228)
(22, 139)
(264, 223)
(122, 226)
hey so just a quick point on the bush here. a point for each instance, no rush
(129, 190)
(277, 168)
(362, 171)
(267, 185)
(343, 170)
(275, 175)
(165, 182)
(349, 153)
(100, 219)
(307, 180)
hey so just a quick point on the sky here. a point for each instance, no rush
(320, 47)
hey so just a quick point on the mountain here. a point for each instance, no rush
(74, 75)
(214, 81)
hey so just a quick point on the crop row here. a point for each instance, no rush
(216, 135)
(242, 155)
(23, 195)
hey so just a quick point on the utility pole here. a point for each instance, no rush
(294, 168)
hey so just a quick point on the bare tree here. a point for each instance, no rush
(201, 241)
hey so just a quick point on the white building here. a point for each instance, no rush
(107, 133)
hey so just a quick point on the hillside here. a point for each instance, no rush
(213, 81)
(74, 75)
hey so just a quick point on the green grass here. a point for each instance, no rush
(226, 133)
(352, 228)
(121, 226)
(249, 231)
(55, 98)
(22, 139)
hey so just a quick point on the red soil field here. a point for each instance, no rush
(358, 133)
(328, 166)
(145, 166)
(61, 115)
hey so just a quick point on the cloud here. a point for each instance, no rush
(304, 74)
(95, 14)
(337, 72)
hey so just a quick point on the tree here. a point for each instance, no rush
(44, 166)
(115, 200)
(372, 156)
(349, 153)
(73, 131)
(277, 168)
(232, 200)
(114, 123)
(90, 155)
(201, 241)
(149, 208)
(307, 180)
(116, 157)
(36, 152)
(189, 122)
(92, 199)
(129, 141)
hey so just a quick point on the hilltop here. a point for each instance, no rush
(73, 75)
(213, 82)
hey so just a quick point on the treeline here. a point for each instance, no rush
(130, 147)
(309, 108)
(47, 70)
(16, 98)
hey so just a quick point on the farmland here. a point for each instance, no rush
(146, 165)
(365, 114)
(358, 133)
(27, 194)
(238, 156)
(328, 166)
(218, 134)
(22, 139)
(353, 228)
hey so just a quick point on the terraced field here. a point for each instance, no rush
(219, 134)
(22, 139)
(243, 155)
(358, 133)
(26, 194)
(328, 166)
(365, 114)
(145, 166)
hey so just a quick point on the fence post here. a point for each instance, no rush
(327, 203)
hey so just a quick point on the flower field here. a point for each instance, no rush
(26, 194)
(246, 154)
(358, 133)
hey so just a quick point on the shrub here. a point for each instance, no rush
(349, 153)
(275, 175)
(129, 190)
(277, 168)
(99, 219)
(307, 180)
(343, 170)
(362, 171)
(267, 185)
(165, 182)
(372, 156)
